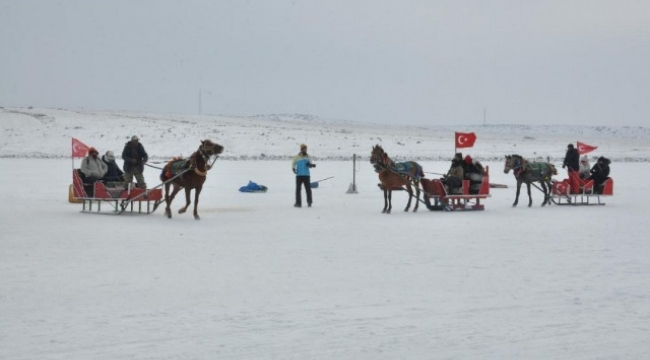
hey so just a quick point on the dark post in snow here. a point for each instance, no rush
(353, 187)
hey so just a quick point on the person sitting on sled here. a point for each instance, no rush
(600, 173)
(113, 172)
(454, 178)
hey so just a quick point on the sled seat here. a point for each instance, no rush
(78, 185)
(608, 187)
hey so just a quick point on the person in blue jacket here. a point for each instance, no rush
(300, 165)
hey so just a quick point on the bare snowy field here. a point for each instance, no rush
(257, 278)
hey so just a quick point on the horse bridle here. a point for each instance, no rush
(517, 168)
(203, 151)
(380, 164)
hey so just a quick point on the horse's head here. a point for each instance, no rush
(508, 164)
(377, 155)
(512, 162)
(209, 148)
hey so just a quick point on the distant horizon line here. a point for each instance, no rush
(318, 117)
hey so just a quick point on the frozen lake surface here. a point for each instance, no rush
(259, 279)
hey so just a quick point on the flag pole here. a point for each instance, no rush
(72, 152)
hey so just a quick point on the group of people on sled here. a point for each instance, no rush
(461, 169)
(580, 172)
(106, 170)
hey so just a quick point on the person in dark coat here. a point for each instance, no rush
(473, 171)
(454, 178)
(114, 173)
(572, 163)
(600, 173)
(134, 157)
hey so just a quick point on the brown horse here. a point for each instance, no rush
(189, 174)
(394, 176)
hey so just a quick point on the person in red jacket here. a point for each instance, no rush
(572, 163)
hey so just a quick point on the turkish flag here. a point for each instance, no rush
(584, 148)
(79, 149)
(465, 140)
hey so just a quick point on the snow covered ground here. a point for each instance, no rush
(259, 279)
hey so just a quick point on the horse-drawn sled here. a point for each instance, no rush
(571, 191)
(410, 176)
(188, 174)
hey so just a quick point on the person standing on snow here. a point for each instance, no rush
(134, 157)
(300, 165)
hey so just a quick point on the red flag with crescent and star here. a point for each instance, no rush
(79, 149)
(465, 140)
(584, 148)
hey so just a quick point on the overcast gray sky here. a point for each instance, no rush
(422, 62)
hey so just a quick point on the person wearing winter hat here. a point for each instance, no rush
(134, 156)
(300, 165)
(584, 167)
(473, 171)
(93, 169)
(113, 172)
(600, 173)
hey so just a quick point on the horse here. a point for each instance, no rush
(531, 172)
(188, 174)
(393, 176)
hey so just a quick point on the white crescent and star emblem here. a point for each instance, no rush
(75, 148)
(462, 140)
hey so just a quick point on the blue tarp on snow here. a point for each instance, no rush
(253, 188)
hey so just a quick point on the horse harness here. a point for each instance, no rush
(206, 159)
(386, 164)
(518, 167)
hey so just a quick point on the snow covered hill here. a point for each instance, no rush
(47, 133)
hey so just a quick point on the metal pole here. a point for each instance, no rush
(354, 172)
(353, 186)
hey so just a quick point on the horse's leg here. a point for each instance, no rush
(543, 183)
(197, 191)
(168, 212)
(417, 195)
(385, 200)
(187, 201)
(409, 189)
(170, 198)
(390, 201)
(517, 196)
(530, 196)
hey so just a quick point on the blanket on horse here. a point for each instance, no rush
(401, 168)
(177, 167)
(538, 168)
